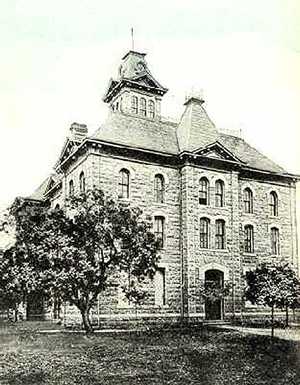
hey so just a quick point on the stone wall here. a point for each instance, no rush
(184, 261)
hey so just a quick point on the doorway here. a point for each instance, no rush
(214, 280)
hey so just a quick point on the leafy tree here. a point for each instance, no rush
(78, 251)
(213, 291)
(273, 285)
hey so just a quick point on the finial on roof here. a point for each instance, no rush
(132, 39)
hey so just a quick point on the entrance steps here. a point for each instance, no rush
(218, 322)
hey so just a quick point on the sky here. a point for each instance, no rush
(57, 57)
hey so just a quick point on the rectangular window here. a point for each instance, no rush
(134, 104)
(249, 239)
(204, 233)
(160, 287)
(275, 241)
(220, 234)
(159, 230)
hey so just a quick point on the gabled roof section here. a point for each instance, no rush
(139, 133)
(217, 150)
(69, 147)
(47, 185)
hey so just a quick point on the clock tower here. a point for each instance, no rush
(135, 91)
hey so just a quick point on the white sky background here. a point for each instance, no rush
(57, 56)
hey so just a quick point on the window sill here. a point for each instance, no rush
(249, 254)
(210, 249)
(124, 200)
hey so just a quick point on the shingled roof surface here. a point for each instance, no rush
(248, 154)
(161, 136)
(139, 133)
(40, 191)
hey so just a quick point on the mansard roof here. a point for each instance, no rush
(134, 73)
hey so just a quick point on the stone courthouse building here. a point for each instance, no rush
(218, 205)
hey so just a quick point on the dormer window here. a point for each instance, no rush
(143, 111)
(134, 104)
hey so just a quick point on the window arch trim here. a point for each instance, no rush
(219, 193)
(82, 183)
(248, 200)
(203, 191)
(273, 203)
(204, 232)
(159, 188)
(124, 183)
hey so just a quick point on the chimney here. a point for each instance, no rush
(194, 97)
(78, 132)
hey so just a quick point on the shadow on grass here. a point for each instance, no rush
(189, 357)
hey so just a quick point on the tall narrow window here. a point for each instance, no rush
(220, 234)
(82, 182)
(249, 239)
(124, 183)
(203, 191)
(275, 241)
(248, 201)
(160, 286)
(273, 204)
(159, 188)
(204, 233)
(219, 193)
(71, 188)
(151, 110)
(143, 111)
(134, 104)
(159, 230)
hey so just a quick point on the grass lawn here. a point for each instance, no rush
(29, 358)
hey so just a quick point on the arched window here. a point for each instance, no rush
(143, 111)
(151, 109)
(124, 176)
(82, 182)
(159, 188)
(134, 104)
(275, 249)
(220, 234)
(159, 230)
(248, 201)
(71, 188)
(249, 239)
(204, 233)
(273, 203)
(57, 207)
(203, 191)
(219, 193)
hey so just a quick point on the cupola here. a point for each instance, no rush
(135, 91)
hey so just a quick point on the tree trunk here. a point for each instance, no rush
(286, 316)
(85, 314)
(16, 313)
(272, 322)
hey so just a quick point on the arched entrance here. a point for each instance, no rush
(214, 280)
